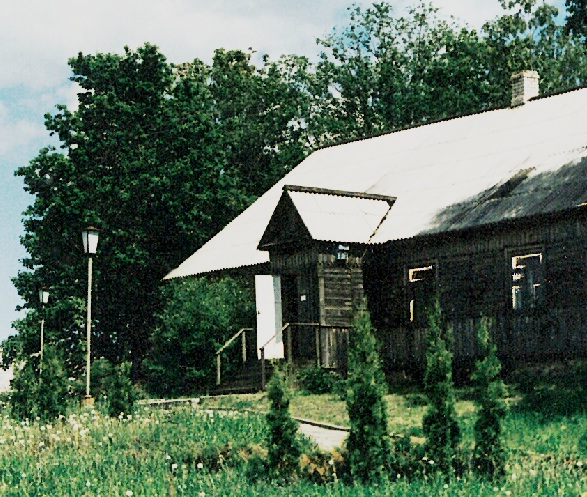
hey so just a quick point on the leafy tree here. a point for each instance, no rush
(382, 71)
(527, 36)
(490, 456)
(576, 22)
(201, 315)
(284, 448)
(368, 442)
(160, 158)
(440, 421)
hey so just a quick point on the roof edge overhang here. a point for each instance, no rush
(575, 212)
(259, 268)
(339, 193)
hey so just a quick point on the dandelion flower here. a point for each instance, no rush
(200, 465)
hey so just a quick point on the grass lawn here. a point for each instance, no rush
(182, 451)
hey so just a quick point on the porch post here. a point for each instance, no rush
(289, 344)
(244, 342)
(217, 369)
(317, 334)
(263, 373)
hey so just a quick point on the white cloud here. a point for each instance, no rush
(17, 133)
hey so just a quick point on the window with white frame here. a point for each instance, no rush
(527, 281)
(421, 291)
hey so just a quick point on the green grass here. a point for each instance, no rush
(181, 451)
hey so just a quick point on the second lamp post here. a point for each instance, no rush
(90, 240)
(43, 299)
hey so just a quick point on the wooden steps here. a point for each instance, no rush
(248, 380)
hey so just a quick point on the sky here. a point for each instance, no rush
(37, 37)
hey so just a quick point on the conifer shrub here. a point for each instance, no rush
(40, 391)
(489, 458)
(440, 423)
(121, 395)
(368, 442)
(23, 387)
(283, 445)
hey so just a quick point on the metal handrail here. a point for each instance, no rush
(229, 342)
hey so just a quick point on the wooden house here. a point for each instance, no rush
(487, 212)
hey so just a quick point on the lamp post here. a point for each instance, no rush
(43, 299)
(90, 240)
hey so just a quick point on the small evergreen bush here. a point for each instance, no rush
(121, 396)
(489, 457)
(23, 390)
(318, 380)
(284, 448)
(368, 443)
(40, 392)
(440, 424)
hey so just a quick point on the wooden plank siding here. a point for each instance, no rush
(474, 278)
(317, 288)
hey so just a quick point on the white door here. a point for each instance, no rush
(269, 320)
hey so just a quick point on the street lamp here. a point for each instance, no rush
(90, 240)
(43, 299)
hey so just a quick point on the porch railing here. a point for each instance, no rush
(240, 333)
(322, 357)
(287, 329)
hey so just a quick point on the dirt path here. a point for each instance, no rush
(326, 438)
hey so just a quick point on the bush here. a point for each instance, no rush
(284, 449)
(489, 457)
(440, 424)
(23, 387)
(200, 315)
(368, 442)
(121, 395)
(40, 392)
(318, 381)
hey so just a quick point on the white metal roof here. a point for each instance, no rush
(339, 218)
(430, 169)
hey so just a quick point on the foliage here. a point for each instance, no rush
(490, 457)
(159, 158)
(23, 387)
(283, 447)
(184, 451)
(201, 315)
(121, 396)
(382, 71)
(40, 390)
(318, 380)
(440, 424)
(576, 22)
(368, 442)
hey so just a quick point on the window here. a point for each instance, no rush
(421, 291)
(527, 281)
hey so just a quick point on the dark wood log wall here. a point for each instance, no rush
(474, 279)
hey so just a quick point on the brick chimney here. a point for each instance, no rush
(525, 85)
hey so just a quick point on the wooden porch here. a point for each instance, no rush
(305, 345)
